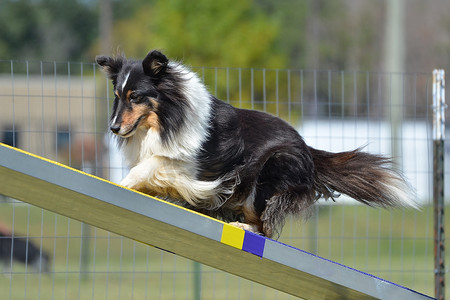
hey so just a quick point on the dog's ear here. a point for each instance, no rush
(111, 66)
(155, 64)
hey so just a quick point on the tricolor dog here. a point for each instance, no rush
(242, 166)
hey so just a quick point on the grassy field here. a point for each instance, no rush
(394, 245)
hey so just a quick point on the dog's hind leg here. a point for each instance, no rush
(285, 187)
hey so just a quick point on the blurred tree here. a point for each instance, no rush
(292, 36)
(207, 33)
(46, 29)
(67, 29)
(221, 33)
(340, 32)
(18, 31)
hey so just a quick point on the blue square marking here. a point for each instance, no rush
(254, 243)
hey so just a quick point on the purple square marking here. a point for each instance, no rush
(254, 243)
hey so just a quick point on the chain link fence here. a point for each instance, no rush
(60, 110)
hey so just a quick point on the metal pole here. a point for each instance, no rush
(395, 62)
(438, 181)
(197, 270)
(105, 25)
(84, 255)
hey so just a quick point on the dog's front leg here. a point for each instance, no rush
(139, 176)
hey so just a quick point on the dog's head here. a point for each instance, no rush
(140, 88)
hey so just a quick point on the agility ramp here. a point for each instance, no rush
(98, 202)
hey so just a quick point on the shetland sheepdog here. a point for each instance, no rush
(243, 166)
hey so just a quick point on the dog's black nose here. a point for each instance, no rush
(115, 128)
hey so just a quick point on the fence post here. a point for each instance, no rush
(438, 181)
(197, 270)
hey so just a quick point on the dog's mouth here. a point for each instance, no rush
(132, 130)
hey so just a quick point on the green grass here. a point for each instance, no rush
(394, 245)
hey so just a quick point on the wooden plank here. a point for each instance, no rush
(149, 220)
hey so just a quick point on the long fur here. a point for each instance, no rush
(242, 166)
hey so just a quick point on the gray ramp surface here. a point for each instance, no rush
(149, 220)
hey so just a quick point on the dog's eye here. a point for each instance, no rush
(134, 98)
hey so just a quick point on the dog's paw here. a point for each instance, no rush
(248, 227)
(139, 175)
(130, 182)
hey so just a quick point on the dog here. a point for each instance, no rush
(243, 166)
(23, 251)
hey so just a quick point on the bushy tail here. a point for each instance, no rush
(365, 177)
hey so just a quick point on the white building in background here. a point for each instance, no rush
(416, 146)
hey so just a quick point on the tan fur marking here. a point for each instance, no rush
(152, 121)
(116, 92)
(158, 191)
(250, 217)
(129, 94)
(130, 117)
(154, 103)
